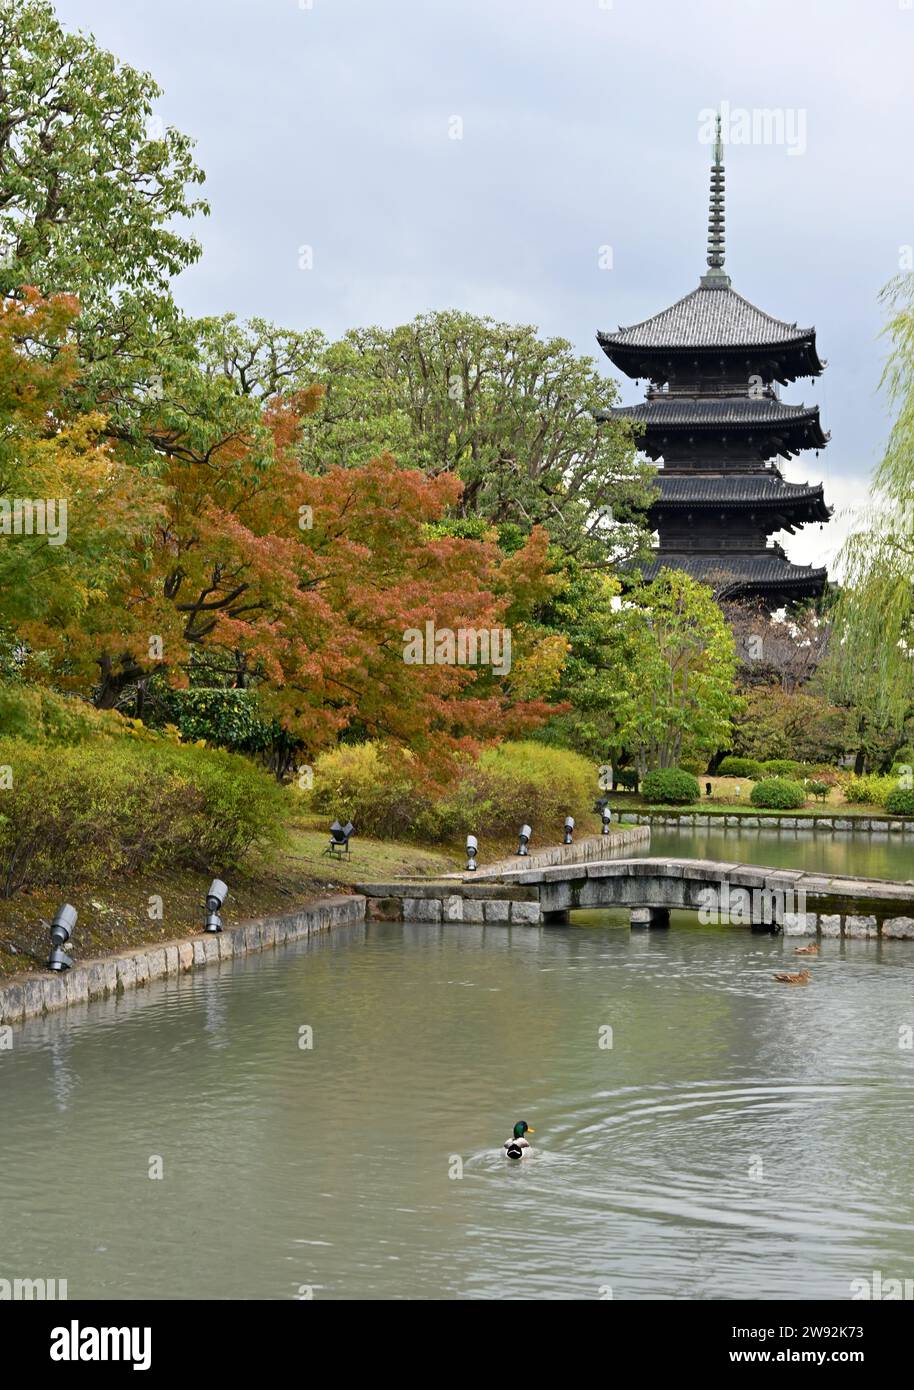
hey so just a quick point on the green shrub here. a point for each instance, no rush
(34, 713)
(111, 808)
(818, 789)
(517, 782)
(900, 802)
(355, 782)
(781, 767)
(227, 718)
(740, 767)
(670, 786)
(871, 789)
(778, 793)
(508, 784)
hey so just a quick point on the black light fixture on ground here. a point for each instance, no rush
(339, 839)
(472, 851)
(61, 930)
(216, 896)
(569, 830)
(606, 816)
(524, 838)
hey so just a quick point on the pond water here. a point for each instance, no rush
(874, 855)
(738, 1139)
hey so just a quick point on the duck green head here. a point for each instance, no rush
(522, 1128)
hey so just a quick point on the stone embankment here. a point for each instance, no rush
(26, 996)
(820, 824)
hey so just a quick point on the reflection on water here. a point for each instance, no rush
(739, 1139)
(878, 855)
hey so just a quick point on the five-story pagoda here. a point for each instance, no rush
(714, 416)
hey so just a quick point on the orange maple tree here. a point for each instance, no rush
(263, 575)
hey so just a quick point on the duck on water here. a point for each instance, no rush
(517, 1146)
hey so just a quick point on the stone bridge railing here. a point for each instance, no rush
(587, 849)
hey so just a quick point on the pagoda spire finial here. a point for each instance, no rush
(716, 275)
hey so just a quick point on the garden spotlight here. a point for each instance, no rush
(61, 931)
(472, 850)
(339, 839)
(569, 829)
(214, 899)
(524, 837)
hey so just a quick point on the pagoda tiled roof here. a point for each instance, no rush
(740, 571)
(708, 317)
(737, 490)
(670, 412)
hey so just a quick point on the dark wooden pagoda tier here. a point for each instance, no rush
(713, 416)
(733, 511)
(692, 430)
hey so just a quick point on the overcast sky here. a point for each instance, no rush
(330, 124)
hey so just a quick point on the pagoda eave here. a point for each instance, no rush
(769, 577)
(658, 448)
(758, 422)
(784, 363)
(774, 515)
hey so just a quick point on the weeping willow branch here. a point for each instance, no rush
(871, 662)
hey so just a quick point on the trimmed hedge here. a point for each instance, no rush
(781, 767)
(670, 786)
(72, 814)
(777, 793)
(750, 768)
(900, 802)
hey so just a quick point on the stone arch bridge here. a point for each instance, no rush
(797, 902)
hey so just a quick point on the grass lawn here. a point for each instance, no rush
(370, 859)
(115, 916)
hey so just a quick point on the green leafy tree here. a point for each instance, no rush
(799, 724)
(584, 609)
(515, 417)
(673, 672)
(93, 190)
(91, 184)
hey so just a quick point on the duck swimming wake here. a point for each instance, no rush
(517, 1146)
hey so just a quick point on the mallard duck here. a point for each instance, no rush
(811, 950)
(798, 977)
(517, 1146)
